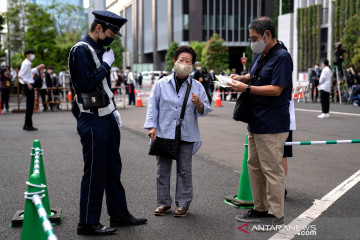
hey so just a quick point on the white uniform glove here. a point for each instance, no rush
(117, 118)
(108, 57)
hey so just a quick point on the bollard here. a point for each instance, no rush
(37, 166)
(244, 198)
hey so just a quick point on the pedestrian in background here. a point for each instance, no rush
(315, 75)
(324, 87)
(131, 84)
(202, 76)
(98, 127)
(162, 117)
(269, 124)
(5, 84)
(26, 78)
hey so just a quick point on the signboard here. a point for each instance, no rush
(243, 60)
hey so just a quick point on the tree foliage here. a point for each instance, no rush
(40, 35)
(351, 41)
(198, 48)
(170, 54)
(118, 49)
(215, 55)
(2, 52)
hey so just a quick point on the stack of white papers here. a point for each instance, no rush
(222, 81)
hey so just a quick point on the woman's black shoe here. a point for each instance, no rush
(94, 229)
(285, 192)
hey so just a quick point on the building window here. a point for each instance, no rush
(186, 21)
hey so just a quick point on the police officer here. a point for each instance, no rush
(98, 126)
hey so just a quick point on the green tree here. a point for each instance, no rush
(2, 52)
(351, 41)
(16, 20)
(198, 47)
(215, 55)
(170, 54)
(118, 49)
(40, 35)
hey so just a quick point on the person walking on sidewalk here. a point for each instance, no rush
(324, 87)
(268, 128)
(5, 84)
(98, 126)
(162, 117)
(26, 78)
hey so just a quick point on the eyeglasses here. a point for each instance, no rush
(254, 39)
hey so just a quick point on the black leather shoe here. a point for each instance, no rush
(97, 229)
(29, 129)
(127, 221)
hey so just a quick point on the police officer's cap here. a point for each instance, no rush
(113, 21)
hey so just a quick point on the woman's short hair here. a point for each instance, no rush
(186, 49)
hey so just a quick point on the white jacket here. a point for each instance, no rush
(325, 79)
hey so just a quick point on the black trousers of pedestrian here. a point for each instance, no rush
(325, 101)
(29, 106)
(5, 95)
(314, 88)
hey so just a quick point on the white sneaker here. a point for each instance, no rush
(321, 115)
(355, 104)
(327, 115)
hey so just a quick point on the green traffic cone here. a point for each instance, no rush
(32, 226)
(244, 192)
(244, 197)
(37, 153)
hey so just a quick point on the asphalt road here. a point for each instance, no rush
(313, 172)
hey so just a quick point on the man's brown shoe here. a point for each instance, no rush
(161, 211)
(181, 212)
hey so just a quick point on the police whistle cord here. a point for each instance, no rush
(322, 142)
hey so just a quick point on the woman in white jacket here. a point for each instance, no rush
(324, 87)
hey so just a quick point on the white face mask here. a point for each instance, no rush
(259, 47)
(198, 68)
(182, 70)
(32, 57)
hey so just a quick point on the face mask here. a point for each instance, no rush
(316, 67)
(105, 42)
(32, 57)
(182, 70)
(211, 71)
(198, 68)
(258, 47)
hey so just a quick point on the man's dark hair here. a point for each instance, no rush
(187, 49)
(326, 62)
(94, 24)
(261, 24)
(28, 51)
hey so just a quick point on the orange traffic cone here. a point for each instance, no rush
(301, 95)
(138, 99)
(218, 99)
(69, 95)
(295, 95)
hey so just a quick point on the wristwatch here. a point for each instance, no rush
(248, 88)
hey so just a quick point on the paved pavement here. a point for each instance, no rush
(313, 172)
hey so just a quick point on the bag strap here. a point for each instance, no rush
(185, 101)
(261, 62)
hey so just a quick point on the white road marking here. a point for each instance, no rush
(317, 111)
(316, 209)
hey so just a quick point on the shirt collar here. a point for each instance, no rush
(172, 77)
(93, 44)
(28, 61)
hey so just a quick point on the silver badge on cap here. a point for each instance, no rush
(93, 99)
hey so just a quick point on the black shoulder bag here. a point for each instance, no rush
(242, 110)
(170, 147)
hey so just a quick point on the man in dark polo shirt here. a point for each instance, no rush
(269, 124)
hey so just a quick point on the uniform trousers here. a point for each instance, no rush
(266, 172)
(100, 138)
(29, 105)
(184, 188)
(325, 101)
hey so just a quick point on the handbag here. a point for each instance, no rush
(93, 100)
(169, 148)
(242, 110)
